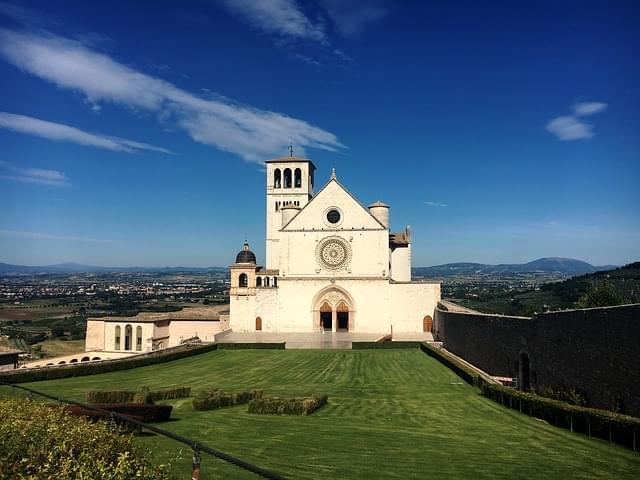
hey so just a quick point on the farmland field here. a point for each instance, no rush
(391, 414)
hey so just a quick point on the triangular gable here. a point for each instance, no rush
(354, 215)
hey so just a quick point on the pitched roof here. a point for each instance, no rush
(334, 179)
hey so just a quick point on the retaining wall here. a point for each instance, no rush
(595, 351)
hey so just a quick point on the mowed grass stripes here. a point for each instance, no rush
(391, 414)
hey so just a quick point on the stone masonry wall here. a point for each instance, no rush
(596, 351)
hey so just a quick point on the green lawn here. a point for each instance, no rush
(391, 414)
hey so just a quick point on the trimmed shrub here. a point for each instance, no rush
(141, 396)
(92, 415)
(287, 406)
(374, 345)
(149, 412)
(614, 427)
(214, 399)
(115, 396)
(170, 394)
(41, 441)
(81, 369)
(251, 346)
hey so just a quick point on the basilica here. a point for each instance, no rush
(331, 264)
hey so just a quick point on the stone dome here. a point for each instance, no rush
(245, 255)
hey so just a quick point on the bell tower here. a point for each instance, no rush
(289, 182)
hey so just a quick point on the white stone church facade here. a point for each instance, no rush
(331, 264)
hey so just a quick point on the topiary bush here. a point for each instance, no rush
(214, 399)
(287, 406)
(114, 396)
(144, 395)
(41, 441)
(149, 412)
(170, 394)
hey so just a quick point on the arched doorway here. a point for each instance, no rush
(427, 323)
(333, 309)
(258, 324)
(326, 316)
(342, 316)
(524, 373)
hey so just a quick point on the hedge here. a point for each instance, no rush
(142, 396)
(149, 412)
(252, 346)
(81, 369)
(287, 406)
(376, 345)
(214, 399)
(463, 371)
(41, 441)
(92, 415)
(614, 427)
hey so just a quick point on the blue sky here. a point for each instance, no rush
(133, 134)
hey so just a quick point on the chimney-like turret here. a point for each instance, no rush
(381, 212)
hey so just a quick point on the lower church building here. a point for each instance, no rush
(331, 264)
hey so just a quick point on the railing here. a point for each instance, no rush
(196, 447)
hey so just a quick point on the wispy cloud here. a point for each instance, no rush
(353, 17)
(588, 108)
(32, 175)
(251, 133)
(61, 132)
(47, 236)
(435, 204)
(573, 127)
(284, 18)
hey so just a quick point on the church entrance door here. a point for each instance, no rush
(333, 310)
(343, 321)
(258, 324)
(342, 316)
(326, 320)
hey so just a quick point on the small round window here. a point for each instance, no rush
(333, 216)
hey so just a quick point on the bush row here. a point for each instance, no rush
(614, 427)
(252, 346)
(141, 396)
(41, 441)
(92, 415)
(621, 429)
(148, 412)
(287, 406)
(375, 345)
(77, 370)
(213, 399)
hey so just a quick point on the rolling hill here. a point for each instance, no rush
(565, 266)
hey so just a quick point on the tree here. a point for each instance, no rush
(600, 295)
(58, 328)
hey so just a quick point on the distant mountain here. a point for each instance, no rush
(8, 269)
(565, 266)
